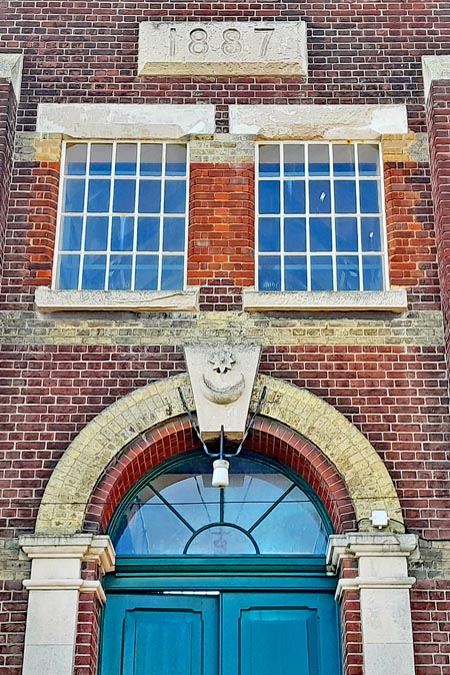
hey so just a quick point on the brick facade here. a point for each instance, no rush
(386, 373)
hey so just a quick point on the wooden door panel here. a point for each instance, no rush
(160, 635)
(279, 634)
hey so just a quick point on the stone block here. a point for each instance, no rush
(323, 122)
(222, 48)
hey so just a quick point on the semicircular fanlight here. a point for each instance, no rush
(175, 511)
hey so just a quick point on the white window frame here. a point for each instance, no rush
(333, 253)
(163, 178)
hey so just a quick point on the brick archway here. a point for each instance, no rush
(268, 437)
(127, 422)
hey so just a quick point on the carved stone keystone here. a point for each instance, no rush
(222, 379)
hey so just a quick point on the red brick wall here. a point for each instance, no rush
(13, 607)
(438, 121)
(86, 51)
(7, 133)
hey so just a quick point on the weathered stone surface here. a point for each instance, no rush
(49, 300)
(434, 563)
(285, 328)
(222, 379)
(327, 122)
(116, 120)
(222, 148)
(434, 68)
(341, 301)
(11, 69)
(222, 48)
(14, 565)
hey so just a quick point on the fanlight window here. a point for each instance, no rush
(177, 511)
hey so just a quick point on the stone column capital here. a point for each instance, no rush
(76, 547)
(370, 544)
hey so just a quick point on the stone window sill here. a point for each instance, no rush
(49, 300)
(394, 300)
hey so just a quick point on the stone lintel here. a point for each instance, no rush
(51, 300)
(11, 69)
(126, 120)
(394, 300)
(222, 48)
(318, 122)
(434, 68)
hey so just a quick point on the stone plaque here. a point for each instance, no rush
(222, 48)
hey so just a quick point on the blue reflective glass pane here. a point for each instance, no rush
(294, 160)
(321, 273)
(71, 233)
(269, 273)
(151, 528)
(221, 540)
(98, 196)
(175, 196)
(96, 238)
(369, 196)
(94, 269)
(319, 196)
(74, 196)
(151, 159)
(345, 196)
(292, 527)
(295, 234)
(120, 273)
(172, 278)
(318, 159)
(295, 273)
(346, 234)
(193, 496)
(269, 160)
(176, 159)
(269, 234)
(370, 234)
(122, 233)
(344, 160)
(146, 273)
(101, 159)
(173, 234)
(373, 273)
(124, 196)
(320, 234)
(294, 196)
(148, 234)
(150, 196)
(76, 154)
(126, 157)
(369, 160)
(269, 196)
(347, 273)
(69, 266)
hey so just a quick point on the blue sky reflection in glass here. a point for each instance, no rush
(127, 198)
(327, 199)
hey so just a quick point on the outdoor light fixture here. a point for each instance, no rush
(221, 465)
(379, 519)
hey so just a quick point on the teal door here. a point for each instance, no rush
(231, 633)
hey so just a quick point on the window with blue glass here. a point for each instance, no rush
(123, 216)
(176, 511)
(320, 217)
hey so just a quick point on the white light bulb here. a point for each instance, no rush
(220, 473)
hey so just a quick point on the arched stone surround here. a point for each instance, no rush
(85, 462)
(268, 437)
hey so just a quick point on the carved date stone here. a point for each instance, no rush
(222, 48)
